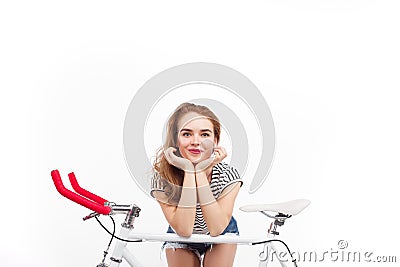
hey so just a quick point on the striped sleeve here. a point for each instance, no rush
(223, 176)
(157, 184)
(171, 193)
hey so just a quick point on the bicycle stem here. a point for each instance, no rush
(130, 216)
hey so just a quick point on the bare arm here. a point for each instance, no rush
(216, 213)
(181, 217)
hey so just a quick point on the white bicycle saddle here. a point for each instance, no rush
(292, 207)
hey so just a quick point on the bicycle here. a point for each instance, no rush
(100, 206)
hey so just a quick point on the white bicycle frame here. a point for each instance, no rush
(121, 252)
(99, 205)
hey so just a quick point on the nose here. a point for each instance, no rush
(196, 139)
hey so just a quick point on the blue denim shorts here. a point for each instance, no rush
(200, 248)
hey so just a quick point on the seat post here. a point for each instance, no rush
(279, 220)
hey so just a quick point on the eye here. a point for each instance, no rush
(205, 134)
(186, 134)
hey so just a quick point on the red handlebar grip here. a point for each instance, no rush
(83, 191)
(77, 198)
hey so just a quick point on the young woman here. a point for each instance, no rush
(195, 189)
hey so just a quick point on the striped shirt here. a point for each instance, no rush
(222, 176)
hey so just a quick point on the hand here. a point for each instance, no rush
(179, 162)
(215, 158)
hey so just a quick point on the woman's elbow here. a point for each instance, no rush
(216, 231)
(184, 232)
(213, 233)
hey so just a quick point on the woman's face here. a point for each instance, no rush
(196, 138)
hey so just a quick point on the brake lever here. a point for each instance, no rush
(91, 215)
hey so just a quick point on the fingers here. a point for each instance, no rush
(172, 158)
(169, 150)
(220, 153)
(169, 154)
(179, 162)
(208, 159)
(215, 158)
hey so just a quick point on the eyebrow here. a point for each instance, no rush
(190, 130)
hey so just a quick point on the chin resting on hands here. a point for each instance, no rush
(179, 162)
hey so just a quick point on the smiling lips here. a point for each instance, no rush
(195, 151)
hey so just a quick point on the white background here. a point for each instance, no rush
(329, 71)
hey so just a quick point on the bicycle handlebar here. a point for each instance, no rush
(92, 205)
(84, 192)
